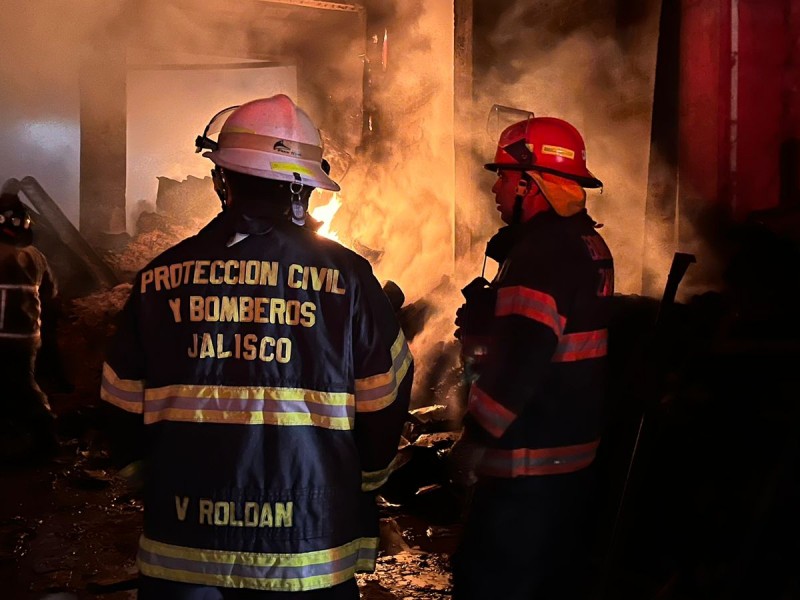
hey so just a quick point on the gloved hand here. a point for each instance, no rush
(463, 460)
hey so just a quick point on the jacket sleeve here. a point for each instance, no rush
(48, 289)
(384, 370)
(122, 383)
(51, 306)
(529, 320)
(48, 361)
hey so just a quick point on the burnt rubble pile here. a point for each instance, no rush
(96, 311)
(82, 337)
(155, 233)
(420, 484)
(89, 318)
(182, 208)
(190, 201)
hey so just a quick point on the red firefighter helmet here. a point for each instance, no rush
(544, 144)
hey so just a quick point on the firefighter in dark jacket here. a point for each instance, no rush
(272, 378)
(27, 293)
(533, 420)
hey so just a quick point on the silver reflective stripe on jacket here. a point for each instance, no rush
(5, 288)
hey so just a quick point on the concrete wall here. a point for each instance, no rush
(43, 140)
(39, 101)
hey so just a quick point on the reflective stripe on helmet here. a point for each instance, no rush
(290, 168)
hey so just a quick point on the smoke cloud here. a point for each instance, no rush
(599, 78)
(398, 195)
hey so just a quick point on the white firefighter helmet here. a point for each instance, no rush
(270, 138)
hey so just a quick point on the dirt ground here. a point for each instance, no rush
(69, 529)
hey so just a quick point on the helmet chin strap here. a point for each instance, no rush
(298, 210)
(523, 186)
(220, 187)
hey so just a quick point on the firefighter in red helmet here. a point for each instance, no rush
(533, 419)
(272, 377)
(27, 293)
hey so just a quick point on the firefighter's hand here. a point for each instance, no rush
(463, 460)
(459, 322)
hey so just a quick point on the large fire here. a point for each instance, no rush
(325, 213)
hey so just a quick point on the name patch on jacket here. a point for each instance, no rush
(242, 308)
(235, 514)
(239, 272)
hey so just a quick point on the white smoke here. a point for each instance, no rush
(587, 76)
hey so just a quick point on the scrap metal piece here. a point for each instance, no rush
(51, 213)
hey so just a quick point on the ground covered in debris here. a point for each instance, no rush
(71, 526)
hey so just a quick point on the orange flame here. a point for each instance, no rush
(325, 213)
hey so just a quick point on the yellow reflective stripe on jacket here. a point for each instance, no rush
(127, 394)
(274, 572)
(243, 405)
(372, 480)
(379, 391)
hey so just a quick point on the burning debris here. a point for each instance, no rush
(191, 202)
(96, 311)
(155, 233)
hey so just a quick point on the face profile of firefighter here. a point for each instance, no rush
(270, 374)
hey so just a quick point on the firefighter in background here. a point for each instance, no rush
(533, 419)
(27, 294)
(272, 378)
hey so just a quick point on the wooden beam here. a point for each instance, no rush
(662, 185)
(103, 160)
(462, 130)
